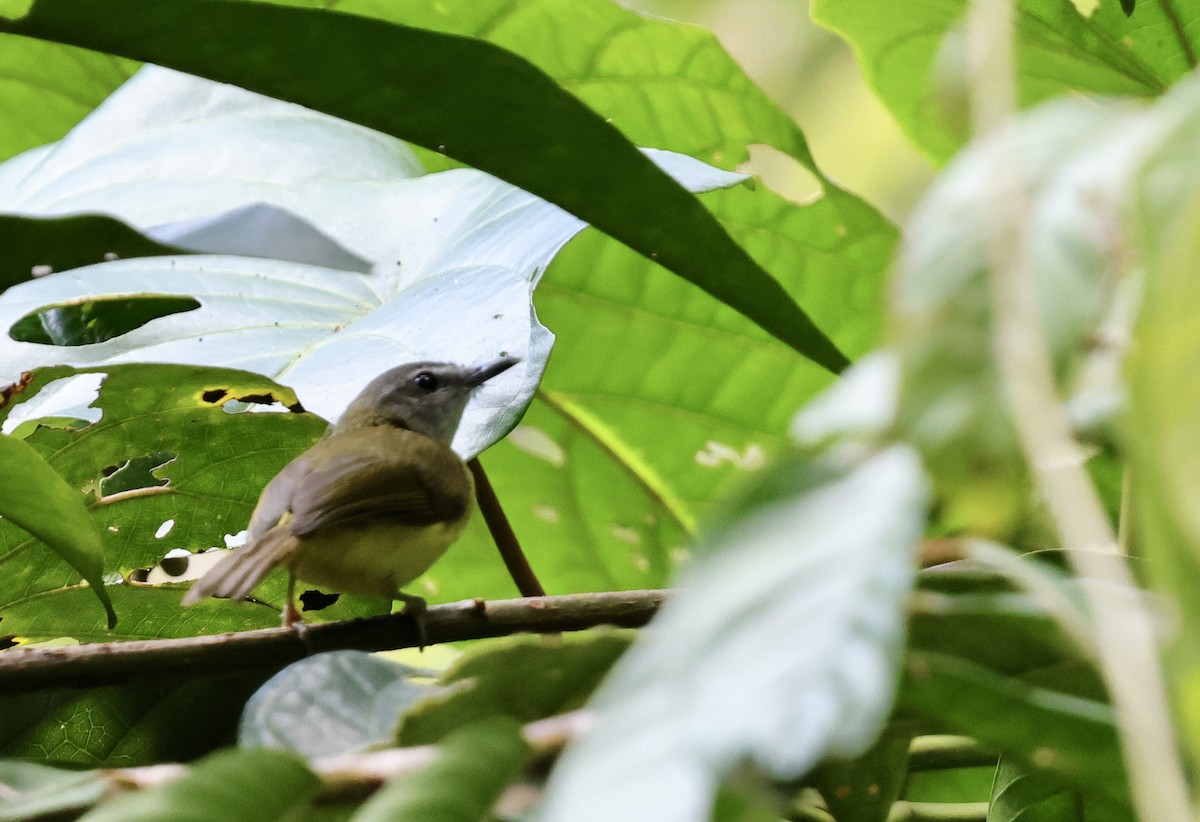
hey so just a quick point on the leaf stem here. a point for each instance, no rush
(1122, 628)
(506, 540)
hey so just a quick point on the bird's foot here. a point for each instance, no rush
(415, 608)
(291, 616)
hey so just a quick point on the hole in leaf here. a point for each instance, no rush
(176, 562)
(232, 403)
(95, 321)
(65, 403)
(782, 173)
(136, 475)
(316, 600)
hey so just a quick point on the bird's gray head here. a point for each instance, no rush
(426, 397)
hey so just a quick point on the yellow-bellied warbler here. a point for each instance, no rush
(373, 504)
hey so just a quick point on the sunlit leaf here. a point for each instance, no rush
(914, 55)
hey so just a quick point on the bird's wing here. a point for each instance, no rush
(276, 499)
(377, 474)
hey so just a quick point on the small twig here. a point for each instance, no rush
(506, 541)
(86, 666)
(354, 777)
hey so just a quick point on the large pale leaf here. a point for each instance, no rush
(914, 55)
(780, 647)
(454, 255)
(426, 87)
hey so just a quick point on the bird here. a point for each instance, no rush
(372, 505)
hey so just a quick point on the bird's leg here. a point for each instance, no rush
(290, 615)
(414, 609)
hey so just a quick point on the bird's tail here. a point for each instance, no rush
(237, 575)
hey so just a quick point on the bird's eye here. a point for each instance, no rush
(426, 381)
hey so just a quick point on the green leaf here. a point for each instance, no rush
(330, 704)
(60, 83)
(1071, 736)
(60, 243)
(914, 56)
(677, 344)
(526, 678)
(1161, 425)
(784, 635)
(213, 462)
(1022, 795)
(519, 125)
(249, 786)
(123, 726)
(36, 498)
(863, 789)
(663, 83)
(29, 790)
(474, 765)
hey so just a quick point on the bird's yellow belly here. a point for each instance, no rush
(372, 560)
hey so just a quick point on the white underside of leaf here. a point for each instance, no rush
(453, 256)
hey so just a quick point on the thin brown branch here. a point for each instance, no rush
(85, 666)
(506, 541)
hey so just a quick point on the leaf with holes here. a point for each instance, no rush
(453, 256)
(164, 464)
